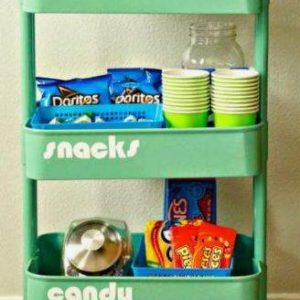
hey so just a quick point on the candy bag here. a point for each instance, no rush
(183, 242)
(158, 244)
(198, 244)
(215, 246)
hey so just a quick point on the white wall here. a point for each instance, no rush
(84, 46)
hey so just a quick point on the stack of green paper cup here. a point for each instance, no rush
(186, 98)
(235, 97)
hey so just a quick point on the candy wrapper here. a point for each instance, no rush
(158, 244)
(86, 91)
(190, 198)
(136, 85)
(198, 244)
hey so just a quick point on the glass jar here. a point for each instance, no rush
(213, 45)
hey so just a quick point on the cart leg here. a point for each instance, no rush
(29, 224)
(28, 104)
(260, 181)
(259, 226)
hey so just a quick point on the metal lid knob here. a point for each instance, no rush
(92, 239)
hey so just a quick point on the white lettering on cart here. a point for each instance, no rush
(112, 292)
(112, 149)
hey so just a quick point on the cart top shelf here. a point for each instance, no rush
(143, 6)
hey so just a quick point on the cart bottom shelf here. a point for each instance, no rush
(43, 281)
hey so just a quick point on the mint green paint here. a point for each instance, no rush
(235, 287)
(260, 182)
(28, 104)
(162, 153)
(144, 6)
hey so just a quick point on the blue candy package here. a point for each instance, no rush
(190, 198)
(136, 85)
(85, 91)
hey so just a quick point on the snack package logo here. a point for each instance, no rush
(71, 97)
(186, 256)
(135, 96)
(178, 209)
(112, 292)
(112, 149)
(211, 257)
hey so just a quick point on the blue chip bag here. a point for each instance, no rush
(85, 91)
(136, 85)
(45, 80)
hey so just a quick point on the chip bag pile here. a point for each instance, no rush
(118, 86)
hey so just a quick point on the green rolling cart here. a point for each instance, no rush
(163, 153)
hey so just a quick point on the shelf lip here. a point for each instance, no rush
(153, 279)
(143, 154)
(208, 130)
(143, 6)
(137, 237)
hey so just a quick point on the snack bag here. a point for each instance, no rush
(190, 198)
(158, 244)
(136, 85)
(202, 245)
(183, 242)
(46, 80)
(86, 91)
(215, 246)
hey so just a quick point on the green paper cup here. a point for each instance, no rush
(234, 97)
(236, 100)
(235, 74)
(184, 74)
(171, 92)
(219, 108)
(186, 104)
(183, 90)
(201, 80)
(234, 104)
(194, 109)
(186, 120)
(235, 93)
(187, 96)
(225, 120)
(234, 89)
(232, 85)
(186, 100)
(244, 82)
(185, 85)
